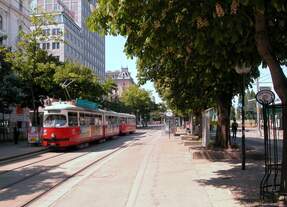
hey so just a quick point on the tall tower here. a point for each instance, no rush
(79, 45)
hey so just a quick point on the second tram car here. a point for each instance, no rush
(127, 123)
(66, 124)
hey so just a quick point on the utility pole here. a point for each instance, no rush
(258, 109)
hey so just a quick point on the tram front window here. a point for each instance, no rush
(55, 120)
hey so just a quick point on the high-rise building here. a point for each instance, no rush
(79, 44)
(14, 16)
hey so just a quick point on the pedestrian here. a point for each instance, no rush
(234, 127)
(16, 135)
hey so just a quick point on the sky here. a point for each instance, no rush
(116, 58)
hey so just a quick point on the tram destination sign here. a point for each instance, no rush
(265, 97)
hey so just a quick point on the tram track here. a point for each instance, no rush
(41, 171)
(21, 157)
(123, 147)
(57, 183)
(32, 163)
(29, 164)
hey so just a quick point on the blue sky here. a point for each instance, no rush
(116, 58)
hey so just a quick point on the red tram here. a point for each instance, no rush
(66, 124)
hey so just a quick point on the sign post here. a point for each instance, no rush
(169, 115)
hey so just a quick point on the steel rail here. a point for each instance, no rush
(77, 172)
(26, 165)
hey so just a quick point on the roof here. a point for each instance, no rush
(71, 106)
(60, 106)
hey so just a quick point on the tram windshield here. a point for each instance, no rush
(55, 120)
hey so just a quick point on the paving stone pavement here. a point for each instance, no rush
(9, 149)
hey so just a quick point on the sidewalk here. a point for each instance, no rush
(220, 171)
(9, 150)
(174, 178)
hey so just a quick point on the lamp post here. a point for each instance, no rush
(243, 70)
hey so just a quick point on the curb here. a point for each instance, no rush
(22, 155)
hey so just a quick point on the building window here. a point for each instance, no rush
(21, 5)
(56, 31)
(49, 5)
(55, 45)
(46, 46)
(1, 22)
(46, 32)
(57, 7)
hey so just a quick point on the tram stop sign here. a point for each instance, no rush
(265, 97)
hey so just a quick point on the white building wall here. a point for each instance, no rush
(15, 15)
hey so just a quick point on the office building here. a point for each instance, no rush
(78, 43)
(14, 16)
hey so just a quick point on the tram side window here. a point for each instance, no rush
(91, 119)
(131, 120)
(109, 123)
(87, 119)
(115, 120)
(82, 119)
(98, 120)
(73, 118)
(112, 121)
(123, 120)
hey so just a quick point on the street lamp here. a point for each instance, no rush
(243, 70)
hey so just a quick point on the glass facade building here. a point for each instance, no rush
(79, 44)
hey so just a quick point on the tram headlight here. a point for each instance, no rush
(53, 135)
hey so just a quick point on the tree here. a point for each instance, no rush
(81, 82)
(10, 91)
(232, 113)
(267, 25)
(138, 100)
(33, 66)
(243, 33)
(188, 45)
(158, 111)
(109, 87)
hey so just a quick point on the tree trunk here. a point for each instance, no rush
(34, 122)
(223, 123)
(279, 82)
(197, 129)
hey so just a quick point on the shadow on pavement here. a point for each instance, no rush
(222, 169)
(30, 187)
(244, 184)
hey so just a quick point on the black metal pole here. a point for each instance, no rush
(169, 128)
(243, 124)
